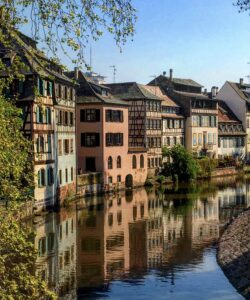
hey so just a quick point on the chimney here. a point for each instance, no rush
(76, 73)
(164, 73)
(214, 91)
(171, 74)
(205, 91)
(241, 81)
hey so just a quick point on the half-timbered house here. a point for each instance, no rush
(145, 123)
(40, 97)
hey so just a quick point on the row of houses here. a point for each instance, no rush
(90, 137)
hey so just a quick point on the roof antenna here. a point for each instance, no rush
(114, 72)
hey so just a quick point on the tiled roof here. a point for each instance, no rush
(187, 82)
(241, 90)
(192, 95)
(225, 114)
(131, 91)
(158, 92)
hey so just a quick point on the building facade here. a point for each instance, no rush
(40, 96)
(102, 138)
(145, 123)
(237, 96)
(231, 134)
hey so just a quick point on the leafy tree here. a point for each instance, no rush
(182, 166)
(15, 167)
(243, 5)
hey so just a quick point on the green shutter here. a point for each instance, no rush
(50, 88)
(37, 114)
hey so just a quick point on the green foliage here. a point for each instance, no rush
(149, 182)
(182, 164)
(15, 168)
(243, 5)
(17, 260)
(69, 24)
(160, 179)
(207, 165)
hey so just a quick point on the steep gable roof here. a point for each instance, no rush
(181, 81)
(158, 92)
(242, 90)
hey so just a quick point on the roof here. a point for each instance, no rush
(91, 93)
(158, 92)
(131, 91)
(181, 81)
(225, 114)
(36, 61)
(193, 95)
(242, 90)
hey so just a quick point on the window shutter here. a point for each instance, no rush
(37, 114)
(83, 142)
(121, 138)
(97, 138)
(121, 116)
(97, 115)
(82, 115)
(49, 143)
(39, 178)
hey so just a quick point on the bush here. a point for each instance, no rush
(207, 165)
(160, 179)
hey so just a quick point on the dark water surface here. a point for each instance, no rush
(156, 244)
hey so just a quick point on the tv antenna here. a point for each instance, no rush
(114, 72)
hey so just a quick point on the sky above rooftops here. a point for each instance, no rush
(204, 40)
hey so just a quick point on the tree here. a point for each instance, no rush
(243, 5)
(183, 165)
(70, 23)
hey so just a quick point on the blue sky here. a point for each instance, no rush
(206, 40)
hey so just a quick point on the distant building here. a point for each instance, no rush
(102, 138)
(237, 97)
(200, 111)
(95, 77)
(47, 99)
(231, 133)
(145, 123)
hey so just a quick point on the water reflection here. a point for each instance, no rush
(116, 245)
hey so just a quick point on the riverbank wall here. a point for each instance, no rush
(234, 253)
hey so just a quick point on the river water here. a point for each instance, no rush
(144, 244)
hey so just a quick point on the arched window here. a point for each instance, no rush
(110, 163)
(141, 161)
(119, 162)
(134, 162)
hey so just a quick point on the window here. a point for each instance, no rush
(110, 179)
(205, 121)
(41, 178)
(71, 94)
(156, 161)
(200, 138)
(66, 146)
(59, 147)
(194, 139)
(224, 143)
(170, 124)
(90, 139)
(214, 138)
(39, 114)
(40, 144)
(89, 115)
(71, 146)
(134, 163)
(110, 163)
(119, 162)
(60, 176)
(60, 91)
(49, 88)
(66, 175)
(196, 121)
(48, 115)
(210, 138)
(141, 161)
(119, 178)
(119, 217)
(49, 143)
(41, 89)
(114, 115)
(114, 139)
(60, 117)
(71, 119)
(65, 93)
(66, 118)
(50, 176)
(72, 174)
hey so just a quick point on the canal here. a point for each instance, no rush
(143, 244)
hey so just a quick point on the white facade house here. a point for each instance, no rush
(237, 97)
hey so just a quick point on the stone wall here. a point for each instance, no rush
(234, 253)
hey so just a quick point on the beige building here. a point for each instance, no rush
(237, 96)
(200, 111)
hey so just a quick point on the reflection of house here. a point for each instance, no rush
(144, 119)
(231, 133)
(201, 133)
(102, 137)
